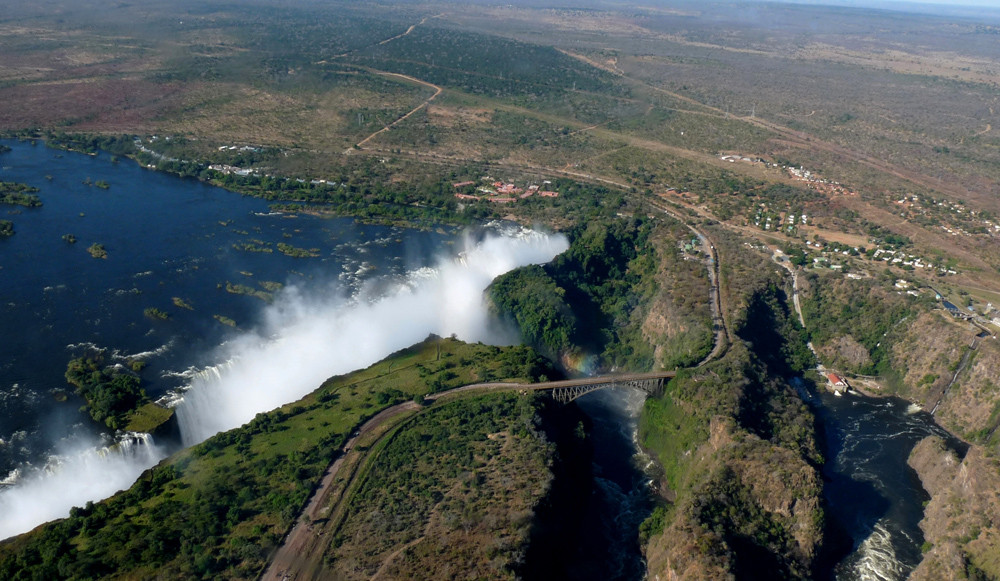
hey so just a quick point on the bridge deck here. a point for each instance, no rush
(600, 380)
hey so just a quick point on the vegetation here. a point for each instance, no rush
(111, 395)
(841, 312)
(242, 289)
(585, 301)
(156, 314)
(289, 250)
(16, 194)
(182, 304)
(717, 429)
(149, 418)
(218, 509)
(6, 228)
(224, 320)
(97, 250)
(458, 485)
(69, 238)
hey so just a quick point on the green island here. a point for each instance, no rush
(16, 194)
(6, 228)
(224, 320)
(156, 314)
(111, 395)
(69, 238)
(254, 246)
(241, 289)
(289, 250)
(182, 304)
(97, 250)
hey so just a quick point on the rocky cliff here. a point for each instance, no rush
(962, 521)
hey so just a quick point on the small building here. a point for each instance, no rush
(836, 380)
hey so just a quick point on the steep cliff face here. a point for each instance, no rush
(678, 319)
(755, 513)
(738, 447)
(962, 521)
(953, 373)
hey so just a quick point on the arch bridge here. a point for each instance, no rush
(568, 390)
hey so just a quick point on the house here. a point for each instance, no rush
(462, 184)
(836, 380)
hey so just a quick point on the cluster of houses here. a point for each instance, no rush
(961, 221)
(817, 183)
(798, 173)
(501, 192)
(767, 219)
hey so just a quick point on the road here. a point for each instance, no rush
(301, 554)
(437, 91)
(716, 296)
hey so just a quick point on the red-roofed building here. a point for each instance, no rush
(463, 184)
(548, 194)
(836, 380)
(502, 200)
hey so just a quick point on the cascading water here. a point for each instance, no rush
(85, 472)
(306, 340)
(303, 340)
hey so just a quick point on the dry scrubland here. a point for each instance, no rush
(895, 118)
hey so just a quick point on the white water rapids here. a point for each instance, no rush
(305, 340)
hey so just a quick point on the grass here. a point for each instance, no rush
(217, 509)
(148, 418)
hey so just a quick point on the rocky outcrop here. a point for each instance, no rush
(961, 523)
(757, 508)
(949, 376)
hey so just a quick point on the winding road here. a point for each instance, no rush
(300, 556)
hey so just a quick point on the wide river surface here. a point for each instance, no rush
(166, 238)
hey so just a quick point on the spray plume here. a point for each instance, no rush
(303, 341)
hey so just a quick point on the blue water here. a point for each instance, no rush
(165, 237)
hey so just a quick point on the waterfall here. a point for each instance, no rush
(85, 471)
(307, 339)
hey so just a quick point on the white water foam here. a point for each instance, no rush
(878, 561)
(87, 471)
(306, 339)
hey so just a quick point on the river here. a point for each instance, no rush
(874, 499)
(212, 261)
(165, 238)
(169, 238)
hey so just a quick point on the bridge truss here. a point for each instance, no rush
(652, 386)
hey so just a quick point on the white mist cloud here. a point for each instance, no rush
(306, 340)
(77, 474)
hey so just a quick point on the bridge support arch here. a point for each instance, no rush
(652, 386)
